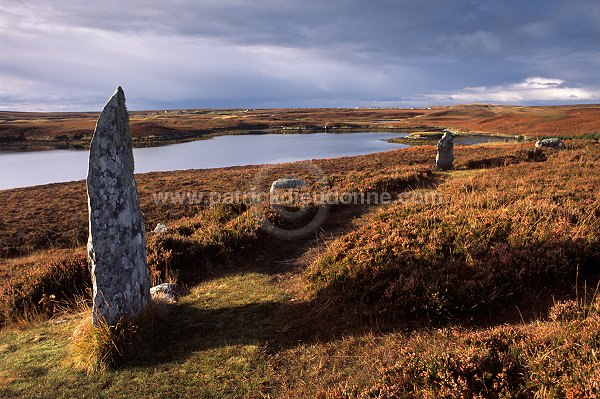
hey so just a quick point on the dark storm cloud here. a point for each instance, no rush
(277, 52)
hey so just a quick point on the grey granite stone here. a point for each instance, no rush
(117, 243)
(445, 154)
(554, 142)
(287, 183)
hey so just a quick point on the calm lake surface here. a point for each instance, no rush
(41, 167)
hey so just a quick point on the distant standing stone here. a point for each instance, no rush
(445, 154)
(117, 243)
(284, 191)
(555, 143)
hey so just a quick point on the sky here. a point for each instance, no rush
(69, 55)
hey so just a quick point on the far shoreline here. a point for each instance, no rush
(22, 131)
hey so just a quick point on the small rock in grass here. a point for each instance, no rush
(164, 290)
(161, 228)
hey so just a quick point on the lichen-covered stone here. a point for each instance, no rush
(117, 243)
(554, 142)
(161, 228)
(287, 183)
(445, 154)
(164, 290)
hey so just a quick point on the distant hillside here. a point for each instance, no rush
(20, 130)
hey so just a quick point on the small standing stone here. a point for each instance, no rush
(117, 243)
(287, 183)
(445, 154)
(285, 191)
(554, 142)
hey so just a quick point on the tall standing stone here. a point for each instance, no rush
(445, 154)
(117, 243)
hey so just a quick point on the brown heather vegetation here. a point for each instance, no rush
(562, 121)
(497, 236)
(26, 290)
(55, 215)
(198, 234)
(552, 359)
(397, 301)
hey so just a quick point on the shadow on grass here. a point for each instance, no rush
(190, 329)
(276, 326)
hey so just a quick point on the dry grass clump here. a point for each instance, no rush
(393, 179)
(100, 347)
(565, 311)
(97, 348)
(504, 234)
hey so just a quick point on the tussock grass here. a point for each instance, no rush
(192, 245)
(44, 286)
(96, 348)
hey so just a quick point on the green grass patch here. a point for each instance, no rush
(581, 136)
(212, 346)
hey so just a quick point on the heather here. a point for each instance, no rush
(506, 234)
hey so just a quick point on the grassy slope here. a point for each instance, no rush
(226, 345)
(249, 330)
(225, 322)
(229, 337)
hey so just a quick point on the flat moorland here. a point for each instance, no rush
(22, 131)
